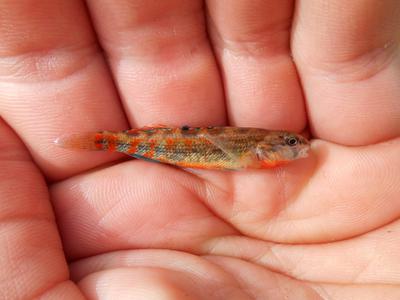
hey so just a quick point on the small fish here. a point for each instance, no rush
(224, 148)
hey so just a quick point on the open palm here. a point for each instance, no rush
(326, 227)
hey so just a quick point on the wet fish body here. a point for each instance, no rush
(232, 148)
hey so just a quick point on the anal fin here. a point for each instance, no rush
(141, 157)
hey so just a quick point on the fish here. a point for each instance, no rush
(221, 148)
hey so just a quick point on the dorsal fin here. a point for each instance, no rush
(145, 128)
(153, 126)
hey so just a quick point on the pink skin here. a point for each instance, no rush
(325, 227)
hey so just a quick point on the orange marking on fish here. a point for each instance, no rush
(150, 153)
(112, 143)
(169, 143)
(153, 126)
(97, 141)
(133, 146)
(188, 143)
(273, 164)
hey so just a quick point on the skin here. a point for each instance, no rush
(326, 227)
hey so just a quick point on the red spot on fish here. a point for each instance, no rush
(98, 141)
(150, 153)
(112, 143)
(273, 164)
(169, 143)
(188, 143)
(133, 146)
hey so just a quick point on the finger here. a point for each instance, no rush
(133, 205)
(161, 61)
(155, 274)
(31, 256)
(54, 82)
(348, 59)
(251, 40)
(234, 279)
(281, 287)
(357, 260)
(145, 283)
(149, 270)
(256, 281)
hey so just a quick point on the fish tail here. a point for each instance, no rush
(89, 141)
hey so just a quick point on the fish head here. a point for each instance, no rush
(281, 147)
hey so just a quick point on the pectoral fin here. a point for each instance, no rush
(242, 160)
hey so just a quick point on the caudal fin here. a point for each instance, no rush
(85, 141)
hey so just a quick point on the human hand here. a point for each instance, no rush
(326, 227)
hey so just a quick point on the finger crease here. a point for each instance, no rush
(361, 67)
(47, 65)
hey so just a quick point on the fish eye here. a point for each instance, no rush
(292, 141)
